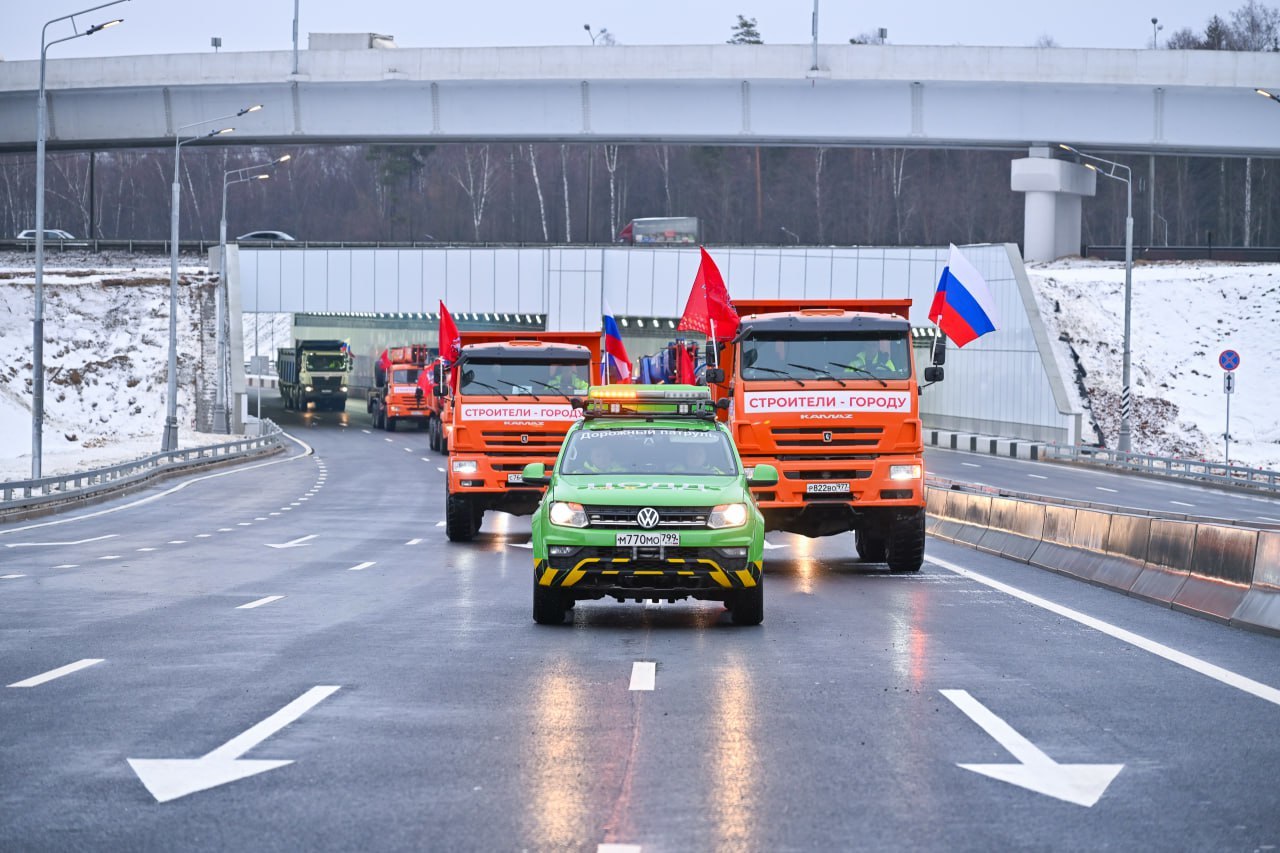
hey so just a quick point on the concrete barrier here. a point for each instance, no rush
(1260, 608)
(975, 513)
(1028, 529)
(1164, 573)
(996, 538)
(1220, 571)
(1126, 549)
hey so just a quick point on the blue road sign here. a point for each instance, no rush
(1229, 359)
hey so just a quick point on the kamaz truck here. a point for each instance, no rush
(825, 391)
(397, 395)
(314, 372)
(509, 403)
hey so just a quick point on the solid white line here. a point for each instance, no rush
(414, 542)
(362, 566)
(1105, 489)
(261, 601)
(971, 464)
(11, 577)
(1265, 518)
(36, 680)
(49, 544)
(1038, 476)
(1180, 503)
(1195, 664)
(643, 674)
(769, 546)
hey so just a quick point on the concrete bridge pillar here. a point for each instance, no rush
(1051, 224)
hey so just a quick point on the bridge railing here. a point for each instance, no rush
(1199, 470)
(20, 495)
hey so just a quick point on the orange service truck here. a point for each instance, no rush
(508, 404)
(397, 395)
(826, 392)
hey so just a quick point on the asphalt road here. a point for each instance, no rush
(389, 690)
(1078, 482)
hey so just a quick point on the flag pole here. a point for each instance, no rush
(712, 342)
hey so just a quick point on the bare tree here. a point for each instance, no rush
(564, 176)
(611, 166)
(819, 160)
(537, 186)
(474, 178)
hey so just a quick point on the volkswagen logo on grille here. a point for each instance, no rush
(826, 436)
(647, 518)
(524, 438)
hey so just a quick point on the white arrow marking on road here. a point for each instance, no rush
(261, 601)
(293, 543)
(170, 778)
(1082, 784)
(643, 674)
(362, 566)
(51, 544)
(37, 680)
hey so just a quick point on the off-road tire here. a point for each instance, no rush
(870, 547)
(905, 545)
(748, 606)
(460, 523)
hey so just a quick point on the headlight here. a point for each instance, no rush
(567, 514)
(727, 515)
(343, 389)
(465, 466)
(309, 388)
(904, 472)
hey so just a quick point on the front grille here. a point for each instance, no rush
(668, 516)
(326, 382)
(827, 475)
(842, 436)
(510, 440)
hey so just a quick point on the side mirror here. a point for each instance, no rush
(535, 474)
(763, 475)
(714, 375)
(933, 374)
(940, 351)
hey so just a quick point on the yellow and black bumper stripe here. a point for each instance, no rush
(727, 579)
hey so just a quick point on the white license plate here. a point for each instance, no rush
(826, 488)
(515, 478)
(630, 540)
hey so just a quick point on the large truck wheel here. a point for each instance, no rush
(391, 423)
(548, 604)
(905, 546)
(433, 434)
(460, 518)
(748, 606)
(869, 545)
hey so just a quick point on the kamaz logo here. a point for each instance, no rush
(826, 436)
(524, 438)
(647, 518)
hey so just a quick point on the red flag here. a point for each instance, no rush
(684, 364)
(450, 348)
(384, 362)
(709, 305)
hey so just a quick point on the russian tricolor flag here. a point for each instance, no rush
(962, 306)
(615, 364)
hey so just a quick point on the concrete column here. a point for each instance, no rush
(1051, 223)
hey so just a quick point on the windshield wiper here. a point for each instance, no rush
(514, 386)
(861, 370)
(819, 371)
(781, 373)
(490, 387)
(551, 388)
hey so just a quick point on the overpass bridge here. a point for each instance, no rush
(1149, 101)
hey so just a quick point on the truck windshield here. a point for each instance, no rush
(704, 453)
(846, 357)
(524, 378)
(409, 374)
(325, 361)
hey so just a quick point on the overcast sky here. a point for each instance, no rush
(185, 26)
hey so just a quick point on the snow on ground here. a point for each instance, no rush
(107, 342)
(1183, 315)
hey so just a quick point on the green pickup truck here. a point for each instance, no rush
(648, 500)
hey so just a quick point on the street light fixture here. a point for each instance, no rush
(169, 441)
(221, 404)
(37, 322)
(1113, 170)
(1264, 93)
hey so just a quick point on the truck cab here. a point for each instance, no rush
(314, 371)
(397, 394)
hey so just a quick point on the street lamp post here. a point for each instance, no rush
(1113, 170)
(37, 321)
(170, 437)
(221, 405)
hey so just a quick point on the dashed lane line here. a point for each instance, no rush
(644, 674)
(37, 680)
(1195, 664)
(971, 464)
(51, 544)
(68, 566)
(11, 577)
(362, 566)
(1267, 518)
(1038, 476)
(177, 542)
(261, 601)
(1181, 503)
(438, 468)
(1105, 489)
(110, 557)
(414, 542)
(145, 550)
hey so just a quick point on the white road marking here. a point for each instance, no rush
(245, 524)
(1038, 476)
(971, 464)
(261, 518)
(425, 458)
(408, 450)
(51, 544)
(439, 524)
(366, 432)
(226, 530)
(1265, 518)
(1082, 784)
(1105, 489)
(528, 545)
(1195, 664)
(438, 468)
(414, 542)
(293, 543)
(203, 535)
(261, 601)
(389, 439)
(643, 674)
(286, 509)
(68, 566)
(769, 546)
(36, 680)
(1180, 503)
(177, 542)
(362, 566)
(295, 503)
(11, 577)
(273, 513)
(145, 550)
(110, 557)
(169, 779)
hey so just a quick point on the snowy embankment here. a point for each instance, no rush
(106, 349)
(1183, 315)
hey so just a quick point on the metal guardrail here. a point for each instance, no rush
(1200, 471)
(24, 494)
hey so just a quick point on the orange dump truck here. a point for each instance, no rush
(397, 395)
(508, 405)
(825, 391)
